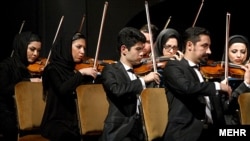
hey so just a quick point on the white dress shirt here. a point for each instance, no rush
(208, 104)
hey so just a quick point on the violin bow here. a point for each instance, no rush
(83, 19)
(150, 36)
(20, 30)
(228, 15)
(58, 28)
(167, 23)
(198, 13)
(100, 34)
(151, 39)
(248, 61)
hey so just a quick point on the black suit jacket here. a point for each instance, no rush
(186, 101)
(122, 97)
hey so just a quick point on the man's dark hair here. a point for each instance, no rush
(129, 36)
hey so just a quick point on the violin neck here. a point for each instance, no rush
(158, 59)
(223, 63)
(163, 58)
(235, 65)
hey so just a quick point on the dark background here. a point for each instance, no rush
(43, 16)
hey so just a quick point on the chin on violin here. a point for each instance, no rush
(37, 67)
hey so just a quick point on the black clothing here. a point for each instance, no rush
(60, 79)
(12, 70)
(185, 94)
(159, 45)
(230, 105)
(122, 122)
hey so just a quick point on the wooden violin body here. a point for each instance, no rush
(89, 62)
(147, 65)
(37, 67)
(216, 70)
(143, 68)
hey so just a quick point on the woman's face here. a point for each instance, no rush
(170, 48)
(78, 49)
(237, 53)
(33, 51)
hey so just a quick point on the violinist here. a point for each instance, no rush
(26, 47)
(238, 53)
(168, 44)
(60, 80)
(190, 97)
(122, 88)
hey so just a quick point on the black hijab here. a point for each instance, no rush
(18, 62)
(163, 36)
(239, 39)
(61, 58)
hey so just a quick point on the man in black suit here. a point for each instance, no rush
(122, 87)
(192, 101)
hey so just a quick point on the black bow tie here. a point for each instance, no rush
(131, 70)
(196, 66)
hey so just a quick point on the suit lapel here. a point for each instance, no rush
(185, 63)
(122, 71)
(195, 77)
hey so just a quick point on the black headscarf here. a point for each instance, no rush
(61, 57)
(239, 39)
(20, 46)
(163, 36)
(19, 60)
(14, 69)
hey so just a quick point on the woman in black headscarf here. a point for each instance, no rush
(60, 80)
(238, 49)
(238, 53)
(167, 47)
(168, 43)
(26, 47)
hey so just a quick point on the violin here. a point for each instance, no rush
(216, 70)
(147, 64)
(89, 62)
(143, 68)
(37, 67)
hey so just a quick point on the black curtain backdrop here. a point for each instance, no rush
(43, 16)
